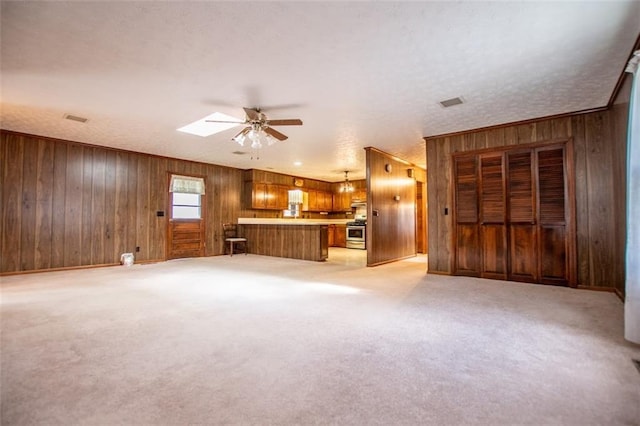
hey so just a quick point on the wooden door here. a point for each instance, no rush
(553, 237)
(514, 216)
(493, 230)
(467, 243)
(521, 207)
(185, 238)
(186, 225)
(421, 232)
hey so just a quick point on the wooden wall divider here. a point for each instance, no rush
(391, 211)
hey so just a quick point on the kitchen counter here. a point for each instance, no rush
(306, 239)
(290, 221)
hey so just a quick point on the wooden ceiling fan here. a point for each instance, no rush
(259, 128)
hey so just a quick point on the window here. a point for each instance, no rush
(186, 197)
(185, 206)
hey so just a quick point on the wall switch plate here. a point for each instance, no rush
(446, 211)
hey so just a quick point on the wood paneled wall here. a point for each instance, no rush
(600, 190)
(619, 128)
(391, 233)
(67, 204)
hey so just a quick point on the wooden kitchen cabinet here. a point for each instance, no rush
(337, 236)
(359, 196)
(256, 195)
(331, 236)
(326, 203)
(342, 202)
(266, 196)
(319, 201)
(313, 200)
(340, 236)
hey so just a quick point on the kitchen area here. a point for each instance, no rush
(301, 218)
(288, 216)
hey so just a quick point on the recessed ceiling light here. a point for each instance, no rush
(297, 163)
(204, 128)
(76, 118)
(451, 102)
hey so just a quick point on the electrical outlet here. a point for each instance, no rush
(137, 248)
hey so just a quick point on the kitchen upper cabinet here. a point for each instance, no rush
(327, 201)
(313, 200)
(359, 196)
(342, 202)
(319, 201)
(266, 196)
(256, 195)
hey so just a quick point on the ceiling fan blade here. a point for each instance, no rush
(223, 121)
(286, 122)
(276, 134)
(242, 132)
(252, 113)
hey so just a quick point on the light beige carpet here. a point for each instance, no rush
(260, 340)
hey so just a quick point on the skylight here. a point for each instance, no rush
(204, 128)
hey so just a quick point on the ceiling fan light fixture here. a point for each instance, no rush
(258, 131)
(240, 138)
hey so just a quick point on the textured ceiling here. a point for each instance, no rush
(358, 74)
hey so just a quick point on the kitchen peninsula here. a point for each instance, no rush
(305, 239)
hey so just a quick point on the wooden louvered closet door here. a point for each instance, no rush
(553, 228)
(512, 217)
(521, 201)
(493, 231)
(466, 216)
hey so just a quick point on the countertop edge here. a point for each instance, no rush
(303, 222)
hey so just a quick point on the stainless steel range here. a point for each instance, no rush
(356, 234)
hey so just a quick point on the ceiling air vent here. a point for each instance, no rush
(76, 118)
(451, 102)
(239, 153)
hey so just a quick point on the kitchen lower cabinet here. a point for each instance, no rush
(331, 235)
(337, 236)
(340, 239)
